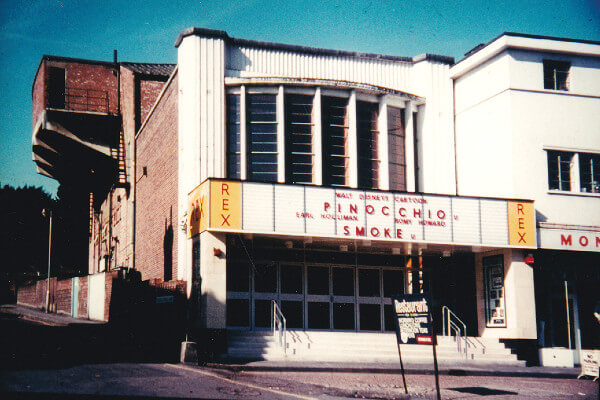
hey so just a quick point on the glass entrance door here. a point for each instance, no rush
(315, 297)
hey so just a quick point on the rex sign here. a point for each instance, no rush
(214, 204)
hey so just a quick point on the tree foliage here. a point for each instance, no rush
(24, 233)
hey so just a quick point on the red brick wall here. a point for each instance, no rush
(63, 296)
(96, 77)
(38, 97)
(34, 294)
(82, 311)
(149, 91)
(156, 192)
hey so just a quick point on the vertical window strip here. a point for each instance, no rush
(367, 136)
(299, 138)
(559, 170)
(589, 172)
(335, 136)
(396, 151)
(261, 120)
(233, 137)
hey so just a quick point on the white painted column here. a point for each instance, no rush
(382, 145)
(409, 147)
(574, 174)
(352, 142)
(280, 136)
(201, 128)
(213, 274)
(243, 135)
(317, 139)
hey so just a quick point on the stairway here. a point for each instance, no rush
(367, 347)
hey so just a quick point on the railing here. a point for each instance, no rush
(452, 324)
(86, 100)
(278, 324)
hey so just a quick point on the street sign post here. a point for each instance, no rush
(414, 325)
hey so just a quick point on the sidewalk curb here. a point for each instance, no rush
(391, 370)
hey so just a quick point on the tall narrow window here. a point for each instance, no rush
(556, 74)
(396, 155)
(56, 87)
(335, 136)
(262, 137)
(299, 137)
(367, 136)
(559, 170)
(233, 136)
(589, 172)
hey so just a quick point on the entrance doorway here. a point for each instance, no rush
(313, 296)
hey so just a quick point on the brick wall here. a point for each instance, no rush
(34, 294)
(149, 91)
(38, 97)
(156, 192)
(82, 311)
(95, 77)
(62, 297)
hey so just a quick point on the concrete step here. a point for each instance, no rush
(359, 346)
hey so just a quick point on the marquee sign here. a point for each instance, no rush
(221, 205)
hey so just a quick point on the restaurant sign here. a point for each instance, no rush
(413, 320)
(221, 205)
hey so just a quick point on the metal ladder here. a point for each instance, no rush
(452, 324)
(278, 323)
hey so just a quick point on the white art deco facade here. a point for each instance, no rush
(345, 177)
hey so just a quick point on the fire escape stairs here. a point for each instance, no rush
(119, 155)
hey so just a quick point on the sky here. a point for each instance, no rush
(145, 31)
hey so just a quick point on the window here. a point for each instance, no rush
(299, 137)
(589, 172)
(233, 135)
(367, 135)
(262, 137)
(335, 137)
(570, 171)
(266, 125)
(559, 170)
(556, 75)
(396, 158)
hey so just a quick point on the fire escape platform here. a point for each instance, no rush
(77, 145)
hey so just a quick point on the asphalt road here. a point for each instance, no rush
(176, 381)
(39, 360)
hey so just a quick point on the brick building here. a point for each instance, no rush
(317, 183)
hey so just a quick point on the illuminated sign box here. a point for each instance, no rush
(222, 205)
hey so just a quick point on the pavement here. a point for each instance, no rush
(59, 357)
(40, 316)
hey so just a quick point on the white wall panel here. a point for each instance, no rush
(494, 221)
(257, 207)
(465, 220)
(289, 209)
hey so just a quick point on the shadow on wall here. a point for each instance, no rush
(147, 323)
(168, 251)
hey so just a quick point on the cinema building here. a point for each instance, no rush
(313, 184)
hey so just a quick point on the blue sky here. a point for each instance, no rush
(145, 31)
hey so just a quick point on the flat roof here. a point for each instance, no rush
(539, 43)
(194, 31)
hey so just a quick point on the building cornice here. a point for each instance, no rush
(212, 33)
(510, 40)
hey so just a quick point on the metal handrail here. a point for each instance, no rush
(449, 326)
(279, 323)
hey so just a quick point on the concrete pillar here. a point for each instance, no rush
(519, 297)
